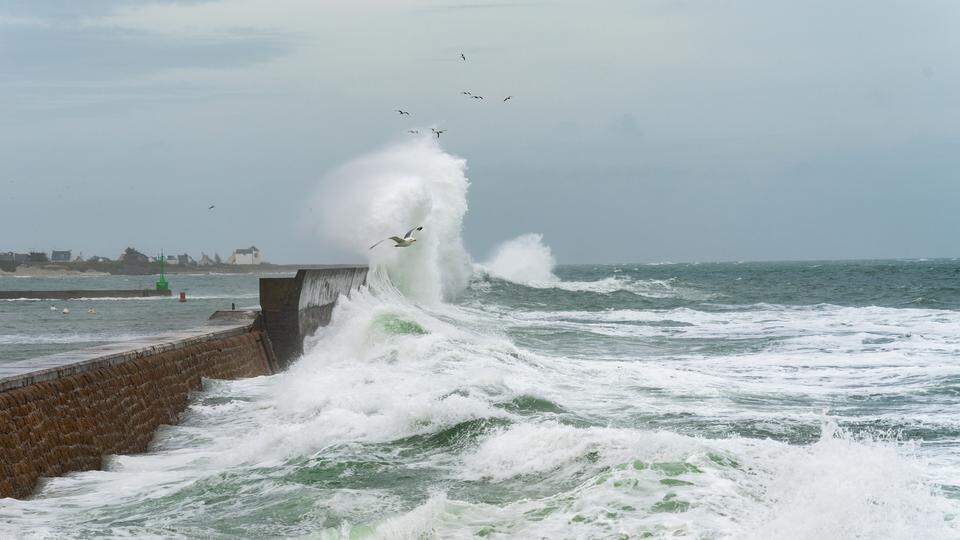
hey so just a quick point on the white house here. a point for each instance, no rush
(250, 255)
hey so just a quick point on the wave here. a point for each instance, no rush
(647, 288)
(395, 399)
(525, 260)
(409, 184)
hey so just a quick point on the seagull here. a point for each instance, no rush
(53, 308)
(437, 132)
(211, 207)
(465, 93)
(403, 112)
(508, 97)
(462, 57)
(66, 311)
(413, 131)
(477, 97)
(92, 311)
(406, 241)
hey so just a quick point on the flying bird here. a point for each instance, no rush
(463, 58)
(508, 97)
(402, 112)
(406, 241)
(437, 132)
(413, 131)
(211, 207)
(465, 93)
(477, 97)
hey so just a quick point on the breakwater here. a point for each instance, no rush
(66, 412)
(90, 293)
(293, 308)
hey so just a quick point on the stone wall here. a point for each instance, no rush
(70, 419)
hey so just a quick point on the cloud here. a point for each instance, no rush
(224, 19)
(27, 22)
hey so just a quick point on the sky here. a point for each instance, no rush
(639, 131)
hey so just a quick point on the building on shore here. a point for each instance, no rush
(38, 257)
(250, 255)
(9, 260)
(204, 260)
(132, 256)
(60, 256)
(185, 260)
(16, 258)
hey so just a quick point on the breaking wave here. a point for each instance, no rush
(409, 184)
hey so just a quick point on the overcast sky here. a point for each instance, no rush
(639, 130)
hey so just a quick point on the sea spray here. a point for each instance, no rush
(405, 185)
(525, 260)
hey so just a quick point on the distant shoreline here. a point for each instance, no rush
(120, 269)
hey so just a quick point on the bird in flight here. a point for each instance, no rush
(402, 112)
(437, 132)
(477, 97)
(406, 241)
(508, 97)
(463, 58)
(465, 93)
(211, 207)
(413, 131)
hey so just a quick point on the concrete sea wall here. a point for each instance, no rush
(293, 308)
(66, 412)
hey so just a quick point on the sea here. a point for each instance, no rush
(31, 328)
(714, 400)
(511, 397)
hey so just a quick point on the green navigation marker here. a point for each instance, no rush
(162, 284)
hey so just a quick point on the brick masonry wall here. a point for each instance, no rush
(71, 423)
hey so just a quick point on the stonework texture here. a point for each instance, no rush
(72, 423)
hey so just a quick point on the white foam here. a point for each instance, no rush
(409, 184)
(525, 260)
(846, 488)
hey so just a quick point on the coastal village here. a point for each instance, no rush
(129, 262)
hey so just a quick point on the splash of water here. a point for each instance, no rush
(525, 260)
(408, 184)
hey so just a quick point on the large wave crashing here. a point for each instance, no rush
(389, 191)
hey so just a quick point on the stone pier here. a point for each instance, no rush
(66, 412)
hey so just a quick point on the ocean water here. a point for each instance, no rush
(513, 398)
(30, 328)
